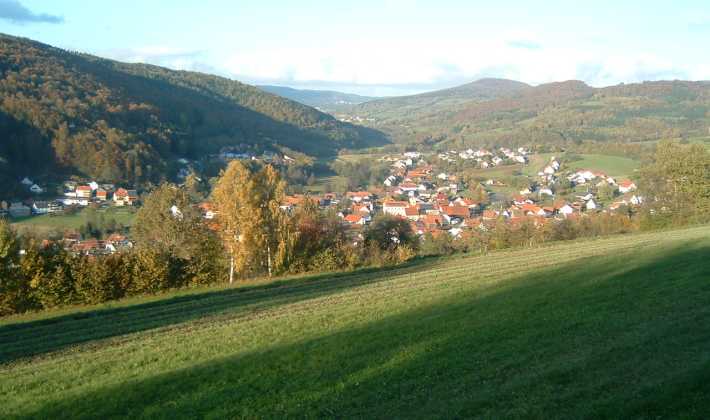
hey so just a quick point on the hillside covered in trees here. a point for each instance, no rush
(74, 113)
(503, 112)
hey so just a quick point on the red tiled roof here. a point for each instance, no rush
(391, 204)
(433, 219)
(490, 214)
(460, 211)
(353, 218)
(361, 194)
(411, 211)
(527, 207)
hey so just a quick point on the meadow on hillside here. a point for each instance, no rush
(613, 327)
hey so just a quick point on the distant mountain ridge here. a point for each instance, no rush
(127, 122)
(487, 88)
(426, 104)
(505, 112)
(327, 100)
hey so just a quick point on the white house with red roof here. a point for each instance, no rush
(395, 208)
(626, 186)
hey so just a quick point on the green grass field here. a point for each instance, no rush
(537, 163)
(323, 182)
(608, 328)
(45, 223)
(615, 166)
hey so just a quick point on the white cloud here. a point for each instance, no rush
(175, 58)
(429, 63)
(402, 67)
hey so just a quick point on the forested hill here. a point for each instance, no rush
(326, 100)
(436, 102)
(126, 122)
(554, 113)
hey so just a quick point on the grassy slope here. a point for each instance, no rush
(45, 223)
(618, 327)
(611, 165)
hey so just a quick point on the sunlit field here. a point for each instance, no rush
(616, 327)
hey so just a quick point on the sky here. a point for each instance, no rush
(385, 47)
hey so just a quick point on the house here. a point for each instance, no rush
(84, 191)
(207, 210)
(89, 247)
(565, 210)
(36, 189)
(71, 237)
(395, 208)
(591, 205)
(45, 207)
(115, 242)
(18, 209)
(432, 221)
(26, 181)
(545, 191)
(101, 194)
(412, 213)
(75, 201)
(362, 208)
(359, 196)
(626, 186)
(453, 214)
(124, 197)
(587, 175)
(471, 204)
(490, 215)
(355, 219)
(532, 210)
(520, 200)
(455, 232)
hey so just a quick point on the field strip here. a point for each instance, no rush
(248, 299)
(375, 290)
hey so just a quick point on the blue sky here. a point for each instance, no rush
(384, 47)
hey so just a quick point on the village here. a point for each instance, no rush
(74, 194)
(416, 189)
(435, 202)
(72, 197)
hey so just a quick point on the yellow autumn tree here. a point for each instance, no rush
(254, 229)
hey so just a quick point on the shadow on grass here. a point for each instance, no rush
(34, 338)
(604, 337)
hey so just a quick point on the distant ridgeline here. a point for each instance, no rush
(326, 100)
(508, 113)
(64, 111)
